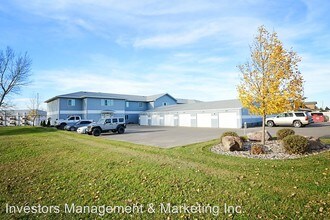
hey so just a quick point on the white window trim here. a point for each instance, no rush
(73, 102)
(165, 104)
(107, 102)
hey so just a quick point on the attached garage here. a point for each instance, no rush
(169, 120)
(217, 114)
(144, 120)
(155, 120)
(204, 120)
(228, 120)
(185, 120)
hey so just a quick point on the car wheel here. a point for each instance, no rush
(270, 123)
(72, 129)
(121, 130)
(96, 132)
(61, 127)
(297, 124)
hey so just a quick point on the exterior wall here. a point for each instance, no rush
(214, 117)
(64, 107)
(135, 106)
(53, 110)
(95, 104)
(150, 105)
(166, 98)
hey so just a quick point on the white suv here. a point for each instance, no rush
(115, 125)
(297, 119)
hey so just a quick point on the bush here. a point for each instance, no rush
(284, 133)
(48, 123)
(228, 133)
(244, 138)
(295, 144)
(257, 149)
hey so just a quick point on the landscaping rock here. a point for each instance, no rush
(314, 143)
(257, 136)
(231, 143)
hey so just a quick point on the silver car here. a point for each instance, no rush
(296, 119)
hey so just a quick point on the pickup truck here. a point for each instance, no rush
(113, 124)
(61, 123)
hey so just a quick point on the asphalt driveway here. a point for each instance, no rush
(167, 137)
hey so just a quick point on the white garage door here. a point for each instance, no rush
(204, 120)
(169, 120)
(144, 120)
(228, 120)
(185, 120)
(155, 120)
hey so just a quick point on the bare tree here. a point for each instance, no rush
(14, 73)
(34, 108)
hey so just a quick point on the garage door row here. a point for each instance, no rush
(203, 120)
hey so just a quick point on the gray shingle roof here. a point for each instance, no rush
(233, 103)
(83, 94)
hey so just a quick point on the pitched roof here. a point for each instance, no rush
(187, 101)
(83, 94)
(224, 104)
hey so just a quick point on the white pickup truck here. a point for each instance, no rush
(61, 123)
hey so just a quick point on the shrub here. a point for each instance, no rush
(228, 133)
(244, 138)
(257, 149)
(295, 144)
(48, 123)
(284, 133)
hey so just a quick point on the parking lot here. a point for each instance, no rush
(167, 137)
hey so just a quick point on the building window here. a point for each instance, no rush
(126, 117)
(140, 104)
(106, 102)
(127, 104)
(71, 102)
(164, 103)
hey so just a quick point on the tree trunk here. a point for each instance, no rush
(263, 129)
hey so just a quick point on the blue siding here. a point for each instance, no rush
(64, 104)
(95, 104)
(135, 106)
(166, 98)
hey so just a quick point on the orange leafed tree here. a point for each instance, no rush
(270, 81)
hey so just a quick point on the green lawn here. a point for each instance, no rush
(53, 168)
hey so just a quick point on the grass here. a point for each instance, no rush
(48, 167)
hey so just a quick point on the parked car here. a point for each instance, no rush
(75, 126)
(61, 123)
(115, 125)
(297, 119)
(82, 130)
(318, 117)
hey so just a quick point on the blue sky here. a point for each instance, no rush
(187, 48)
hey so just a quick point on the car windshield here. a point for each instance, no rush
(101, 121)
